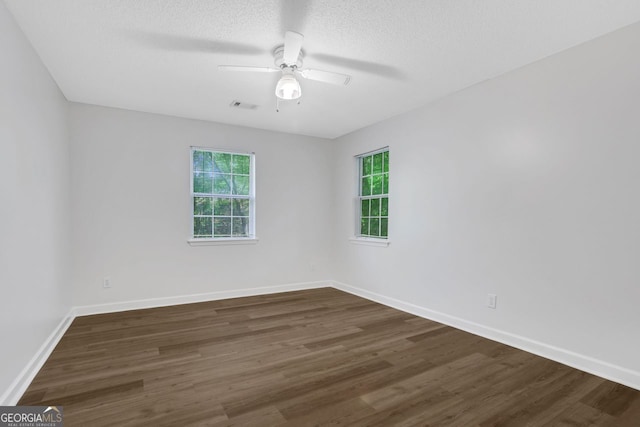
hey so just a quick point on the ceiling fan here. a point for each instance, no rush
(288, 60)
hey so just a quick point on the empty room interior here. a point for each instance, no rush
(324, 212)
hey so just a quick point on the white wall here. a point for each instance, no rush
(131, 208)
(34, 203)
(527, 186)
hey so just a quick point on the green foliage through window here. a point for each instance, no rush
(221, 192)
(373, 195)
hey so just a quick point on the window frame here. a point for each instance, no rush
(359, 238)
(223, 240)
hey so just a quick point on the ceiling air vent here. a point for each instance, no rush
(242, 105)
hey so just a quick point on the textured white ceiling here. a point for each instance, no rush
(161, 56)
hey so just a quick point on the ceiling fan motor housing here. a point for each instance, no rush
(278, 54)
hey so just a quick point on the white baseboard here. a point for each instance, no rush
(17, 388)
(86, 310)
(584, 363)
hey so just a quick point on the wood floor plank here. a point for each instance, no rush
(344, 412)
(613, 399)
(309, 358)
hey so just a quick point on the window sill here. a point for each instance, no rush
(222, 242)
(370, 242)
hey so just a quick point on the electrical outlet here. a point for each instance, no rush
(492, 300)
(106, 282)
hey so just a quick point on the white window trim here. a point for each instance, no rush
(358, 239)
(223, 241)
(252, 239)
(370, 241)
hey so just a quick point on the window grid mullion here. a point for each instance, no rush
(232, 207)
(200, 171)
(368, 220)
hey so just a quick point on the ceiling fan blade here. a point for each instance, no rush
(293, 15)
(246, 68)
(180, 43)
(326, 77)
(292, 47)
(364, 66)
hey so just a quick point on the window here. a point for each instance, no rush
(373, 199)
(222, 194)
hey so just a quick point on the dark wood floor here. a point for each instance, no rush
(318, 357)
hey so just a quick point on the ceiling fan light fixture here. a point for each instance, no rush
(288, 88)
